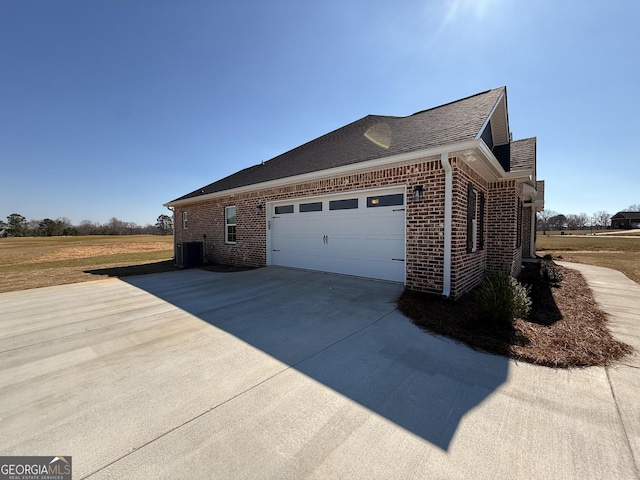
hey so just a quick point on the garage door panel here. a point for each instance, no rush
(367, 242)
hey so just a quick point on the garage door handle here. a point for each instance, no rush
(325, 239)
(398, 259)
(398, 209)
(276, 250)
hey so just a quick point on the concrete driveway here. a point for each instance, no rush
(279, 373)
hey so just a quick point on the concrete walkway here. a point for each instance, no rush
(620, 298)
(287, 374)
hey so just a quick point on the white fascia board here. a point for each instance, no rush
(520, 175)
(332, 172)
(491, 171)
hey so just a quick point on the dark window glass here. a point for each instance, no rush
(230, 221)
(231, 234)
(284, 209)
(343, 204)
(386, 200)
(311, 207)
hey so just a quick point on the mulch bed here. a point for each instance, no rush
(566, 328)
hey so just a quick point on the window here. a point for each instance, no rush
(311, 207)
(343, 204)
(184, 220)
(230, 224)
(475, 219)
(284, 209)
(385, 200)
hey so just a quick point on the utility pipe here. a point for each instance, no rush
(532, 240)
(448, 207)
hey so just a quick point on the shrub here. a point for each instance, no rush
(500, 298)
(550, 273)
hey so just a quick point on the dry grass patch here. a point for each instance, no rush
(565, 329)
(622, 254)
(45, 261)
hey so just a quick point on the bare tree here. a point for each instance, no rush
(572, 221)
(602, 219)
(634, 208)
(577, 222)
(543, 219)
(582, 220)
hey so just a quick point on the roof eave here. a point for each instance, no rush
(474, 152)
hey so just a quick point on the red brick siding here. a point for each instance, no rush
(424, 222)
(424, 225)
(502, 253)
(467, 269)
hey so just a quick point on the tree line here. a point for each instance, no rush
(18, 226)
(550, 220)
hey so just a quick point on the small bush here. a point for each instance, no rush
(551, 274)
(501, 298)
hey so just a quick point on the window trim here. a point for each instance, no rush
(184, 220)
(227, 225)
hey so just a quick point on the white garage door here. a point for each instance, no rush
(358, 233)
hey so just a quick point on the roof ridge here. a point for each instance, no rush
(456, 101)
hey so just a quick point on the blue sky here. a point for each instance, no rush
(112, 108)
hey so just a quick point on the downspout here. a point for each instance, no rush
(532, 243)
(173, 216)
(448, 207)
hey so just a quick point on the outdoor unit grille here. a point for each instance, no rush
(189, 254)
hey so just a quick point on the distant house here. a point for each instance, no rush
(626, 220)
(433, 200)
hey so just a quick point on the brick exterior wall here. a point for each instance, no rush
(424, 222)
(503, 254)
(467, 269)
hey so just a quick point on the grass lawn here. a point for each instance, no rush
(31, 262)
(622, 254)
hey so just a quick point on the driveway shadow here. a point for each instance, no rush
(346, 333)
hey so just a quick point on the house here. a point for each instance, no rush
(626, 220)
(433, 200)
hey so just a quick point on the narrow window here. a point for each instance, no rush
(385, 200)
(343, 204)
(230, 224)
(475, 219)
(284, 209)
(311, 207)
(184, 220)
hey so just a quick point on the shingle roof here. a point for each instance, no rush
(370, 138)
(630, 215)
(523, 154)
